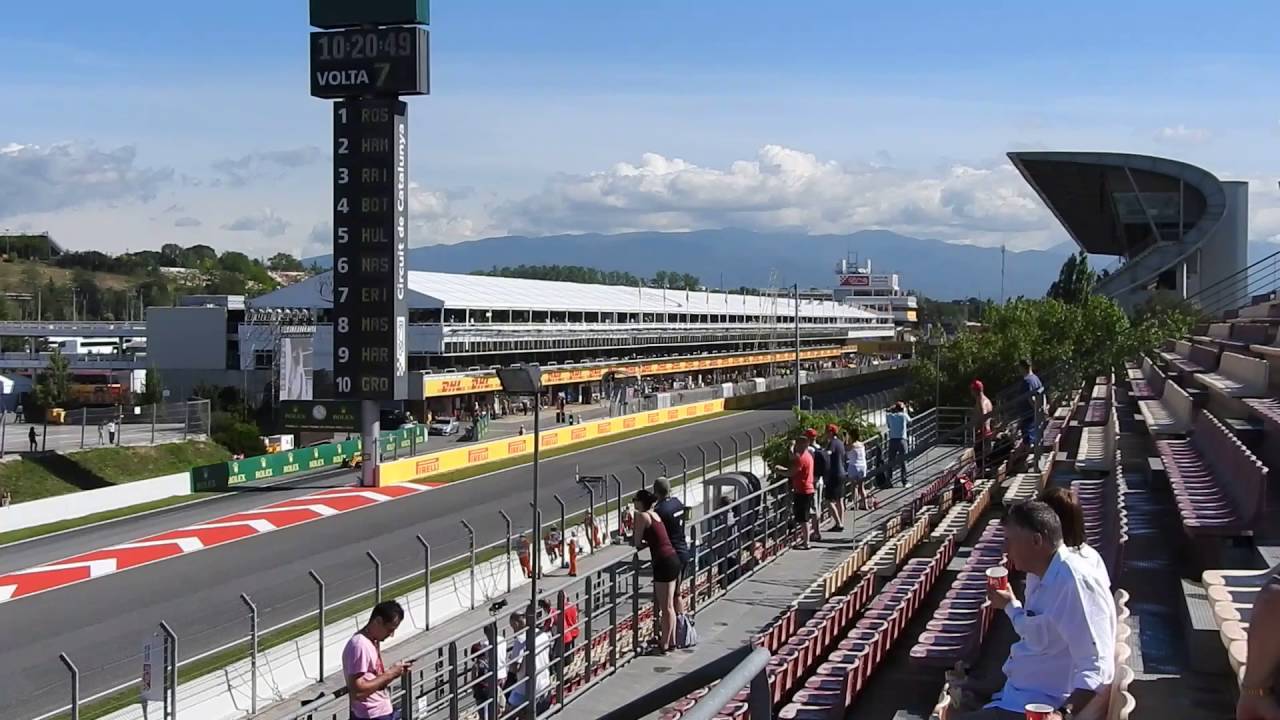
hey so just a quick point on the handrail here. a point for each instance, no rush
(1243, 271)
(733, 671)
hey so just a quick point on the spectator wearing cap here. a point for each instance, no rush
(898, 420)
(982, 410)
(820, 463)
(803, 489)
(834, 487)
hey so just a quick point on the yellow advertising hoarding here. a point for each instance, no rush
(466, 384)
(424, 466)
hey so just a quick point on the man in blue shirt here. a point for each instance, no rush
(834, 481)
(898, 419)
(1033, 414)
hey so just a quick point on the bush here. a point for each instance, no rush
(777, 449)
(236, 435)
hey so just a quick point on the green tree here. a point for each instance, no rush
(152, 388)
(284, 262)
(1075, 280)
(53, 386)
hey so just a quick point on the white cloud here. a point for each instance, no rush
(1183, 135)
(37, 179)
(784, 188)
(238, 172)
(266, 222)
(186, 222)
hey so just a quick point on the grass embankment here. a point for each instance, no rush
(41, 476)
(13, 275)
(240, 651)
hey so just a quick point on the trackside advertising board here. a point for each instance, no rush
(221, 476)
(424, 466)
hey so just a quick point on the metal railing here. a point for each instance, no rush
(120, 426)
(1239, 288)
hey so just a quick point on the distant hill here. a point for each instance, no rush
(731, 258)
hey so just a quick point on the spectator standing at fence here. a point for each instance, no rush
(524, 550)
(31, 438)
(367, 678)
(101, 429)
(982, 410)
(898, 420)
(672, 511)
(857, 467)
(802, 491)
(837, 468)
(1033, 419)
(111, 431)
(483, 673)
(520, 664)
(652, 533)
(1066, 627)
(553, 543)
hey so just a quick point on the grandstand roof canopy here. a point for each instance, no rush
(1118, 203)
(430, 290)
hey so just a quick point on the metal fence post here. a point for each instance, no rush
(693, 576)
(253, 653)
(84, 420)
(453, 680)
(406, 696)
(564, 533)
(471, 539)
(665, 472)
(377, 576)
(564, 656)
(75, 685)
(703, 452)
(153, 422)
(426, 582)
(719, 455)
(684, 477)
(589, 645)
(751, 449)
(644, 479)
(170, 710)
(613, 617)
(760, 699)
(736, 451)
(319, 622)
(186, 418)
(507, 517)
(617, 485)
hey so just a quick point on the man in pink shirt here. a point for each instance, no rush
(367, 679)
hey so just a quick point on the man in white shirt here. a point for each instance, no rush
(520, 663)
(1065, 654)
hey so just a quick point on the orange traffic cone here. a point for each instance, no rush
(573, 559)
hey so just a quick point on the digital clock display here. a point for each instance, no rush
(360, 62)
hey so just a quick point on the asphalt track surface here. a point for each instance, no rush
(101, 623)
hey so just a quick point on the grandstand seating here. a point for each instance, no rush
(1105, 518)
(1172, 414)
(1096, 452)
(1233, 593)
(1218, 484)
(1148, 384)
(1189, 358)
(1238, 376)
(956, 631)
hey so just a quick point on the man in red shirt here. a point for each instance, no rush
(803, 489)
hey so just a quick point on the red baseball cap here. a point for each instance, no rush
(976, 385)
(811, 433)
(833, 429)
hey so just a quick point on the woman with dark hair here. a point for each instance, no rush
(650, 532)
(1066, 505)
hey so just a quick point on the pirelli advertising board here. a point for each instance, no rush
(424, 466)
(488, 382)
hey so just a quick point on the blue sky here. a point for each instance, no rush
(143, 122)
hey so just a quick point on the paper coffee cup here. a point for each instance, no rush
(998, 578)
(1038, 711)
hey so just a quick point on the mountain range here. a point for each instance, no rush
(732, 258)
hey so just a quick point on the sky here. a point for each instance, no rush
(129, 125)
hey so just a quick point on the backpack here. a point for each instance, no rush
(686, 632)
(820, 462)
